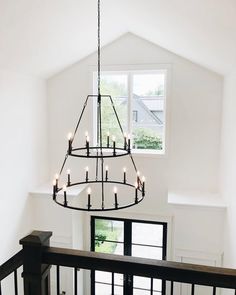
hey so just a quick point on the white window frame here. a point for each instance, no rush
(132, 70)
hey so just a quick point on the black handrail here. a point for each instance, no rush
(11, 265)
(165, 270)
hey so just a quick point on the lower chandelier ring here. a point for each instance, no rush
(139, 193)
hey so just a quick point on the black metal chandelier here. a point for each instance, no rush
(105, 197)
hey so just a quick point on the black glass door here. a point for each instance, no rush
(127, 237)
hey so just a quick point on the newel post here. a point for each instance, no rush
(36, 275)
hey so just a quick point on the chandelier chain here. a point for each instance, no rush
(99, 48)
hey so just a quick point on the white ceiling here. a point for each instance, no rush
(41, 37)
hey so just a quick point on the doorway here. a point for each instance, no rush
(130, 237)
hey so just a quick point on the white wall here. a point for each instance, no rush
(192, 161)
(194, 122)
(23, 154)
(228, 167)
(194, 109)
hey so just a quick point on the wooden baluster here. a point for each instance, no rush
(192, 289)
(76, 281)
(15, 282)
(151, 287)
(112, 284)
(214, 291)
(171, 288)
(58, 279)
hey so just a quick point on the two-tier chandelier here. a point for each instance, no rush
(109, 192)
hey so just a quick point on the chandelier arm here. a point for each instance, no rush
(80, 118)
(101, 149)
(132, 159)
(117, 118)
(98, 120)
(63, 164)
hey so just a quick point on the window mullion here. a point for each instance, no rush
(130, 101)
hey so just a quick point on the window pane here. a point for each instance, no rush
(103, 276)
(110, 248)
(116, 86)
(148, 234)
(148, 108)
(157, 285)
(118, 290)
(142, 282)
(147, 252)
(102, 289)
(111, 230)
(118, 279)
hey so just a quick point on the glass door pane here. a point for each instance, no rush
(108, 238)
(147, 242)
(148, 106)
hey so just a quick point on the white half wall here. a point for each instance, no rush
(23, 154)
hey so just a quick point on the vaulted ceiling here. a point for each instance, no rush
(41, 37)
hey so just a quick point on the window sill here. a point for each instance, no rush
(196, 199)
(144, 153)
(149, 153)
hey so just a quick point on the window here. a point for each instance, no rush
(139, 98)
(127, 237)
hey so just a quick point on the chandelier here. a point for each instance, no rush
(109, 192)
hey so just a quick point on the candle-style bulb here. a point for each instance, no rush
(54, 188)
(69, 136)
(108, 139)
(86, 174)
(114, 145)
(65, 197)
(143, 186)
(68, 177)
(136, 192)
(86, 133)
(106, 175)
(89, 190)
(56, 176)
(138, 178)
(115, 193)
(128, 143)
(87, 145)
(124, 170)
(89, 199)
